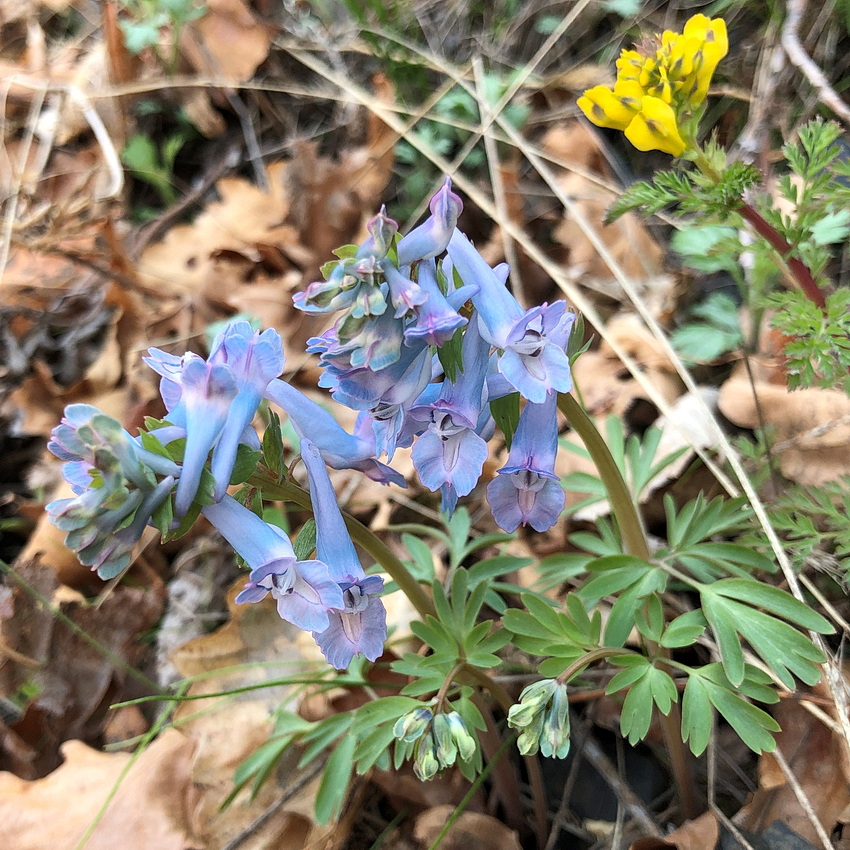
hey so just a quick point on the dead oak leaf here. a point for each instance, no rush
(810, 427)
(154, 805)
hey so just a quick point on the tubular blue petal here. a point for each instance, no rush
(208, 390)
(333, 542)
(498, 309)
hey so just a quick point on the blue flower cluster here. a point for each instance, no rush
(400, 301)
(122, 483)
(403, 302)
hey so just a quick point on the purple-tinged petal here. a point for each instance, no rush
(333, 542)
(537, 375)
(382, 230)
(208, 391)
(432, 236)
(306, 604)
(498, 309)
(525, 498)
(405, 294)
(449, 456)
(359, 629)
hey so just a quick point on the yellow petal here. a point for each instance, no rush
(605, 109)
(629, 65)
(713, 46)
(654, 128)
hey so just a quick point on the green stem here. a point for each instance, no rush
(360, 534)
(589, 658)
(635, 543)
(799, 270)
(619, 497)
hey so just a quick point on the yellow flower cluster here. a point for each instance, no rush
(655, 95)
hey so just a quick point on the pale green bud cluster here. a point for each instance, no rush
(543, 718)
(439, 738)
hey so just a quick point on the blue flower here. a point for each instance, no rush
(527, 490)
(115, 485)
(304, 591)
(360, 627)
(533, 341)
(339, 449)
(216, 399)
(450, 455)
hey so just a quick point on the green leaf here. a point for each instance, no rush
(273, 446)
(334, 784)
(697, 716)
(774, 599)
(650, 619)
(505, 412)
(449, 354)
(684, 630)
(753, 725)
(305, 543)
(383, 710)
(375, 745)
(832, 227)
(723, 624)
(494, 567)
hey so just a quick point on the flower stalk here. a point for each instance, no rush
(635, 543)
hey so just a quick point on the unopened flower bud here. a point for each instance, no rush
(464, 742)
(426, 764)
(411, 726)
(446, 747)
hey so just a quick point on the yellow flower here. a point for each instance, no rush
(606, 109)
(654, 128)
(713, 46)
(656, 95)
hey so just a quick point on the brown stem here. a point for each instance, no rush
(778, 242)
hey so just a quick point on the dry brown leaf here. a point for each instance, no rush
(699, 834)
(627, 240)
(227, 41)
(153, 807)
(815, 758)
(229, 729)
(471, 831)
(76, 683)
(810, 427)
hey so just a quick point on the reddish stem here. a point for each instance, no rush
(796, 266)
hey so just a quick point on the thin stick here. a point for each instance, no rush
(795, 51)
(802, 799)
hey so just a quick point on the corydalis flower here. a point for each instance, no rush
(450, 455)
(216, 399)
(339, 449)
(304, 591)
(116, 488)
(527, 490)
(360, 626)
(532, 342)
(431, 237)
